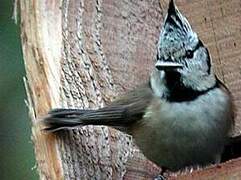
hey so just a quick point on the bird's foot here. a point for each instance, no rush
(160, 177)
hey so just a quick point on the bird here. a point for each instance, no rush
(182, 116)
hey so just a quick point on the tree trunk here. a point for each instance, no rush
(82, 53)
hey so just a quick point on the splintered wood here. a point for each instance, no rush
(83, 53)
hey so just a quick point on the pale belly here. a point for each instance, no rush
(188, 134)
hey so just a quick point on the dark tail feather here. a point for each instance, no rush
(232, 150)
(58, 119)
(55, 123)
(69, 118)
(67, 112)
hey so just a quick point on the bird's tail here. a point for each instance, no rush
(58, 119)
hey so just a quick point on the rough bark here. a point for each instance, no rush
(82, 53)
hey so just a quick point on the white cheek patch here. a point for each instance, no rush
(179, 53)
(157, 83)
(201, 61)
(193, 39)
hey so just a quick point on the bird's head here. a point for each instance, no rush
(182, 54)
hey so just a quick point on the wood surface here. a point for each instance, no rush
(82, 53)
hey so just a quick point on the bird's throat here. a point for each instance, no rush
(177, 91)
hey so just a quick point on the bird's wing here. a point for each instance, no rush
(121, 112)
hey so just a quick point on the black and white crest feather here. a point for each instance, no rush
(177, 34)
(180, 45)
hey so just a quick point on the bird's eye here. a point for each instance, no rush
(189, 54)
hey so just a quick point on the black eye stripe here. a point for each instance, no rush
(199, 44)
(209, 62)
(189, 53)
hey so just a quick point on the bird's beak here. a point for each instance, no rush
(161, 65)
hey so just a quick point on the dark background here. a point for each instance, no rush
(16, 149)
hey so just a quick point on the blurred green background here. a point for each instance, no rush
(16, 149)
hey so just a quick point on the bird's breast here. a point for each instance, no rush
(179, 134)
